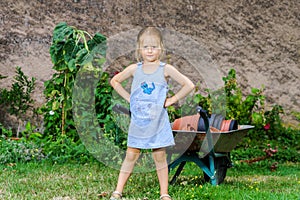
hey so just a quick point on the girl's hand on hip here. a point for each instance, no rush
(170, 101)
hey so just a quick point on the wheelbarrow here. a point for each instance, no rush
(208, 149)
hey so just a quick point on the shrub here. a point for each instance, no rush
(70, 51)
(64, 149)
(12, 151)
(17, 100)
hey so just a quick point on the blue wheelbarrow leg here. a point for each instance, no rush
(191, 157)
(181, 161)
(211, 171)
(177, 173)
(221, 165)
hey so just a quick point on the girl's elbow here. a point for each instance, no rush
(113, 83)
(192, 86)
(189, 87)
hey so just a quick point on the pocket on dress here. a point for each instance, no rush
(145, 112)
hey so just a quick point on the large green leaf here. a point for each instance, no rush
(68, 104)
(55, 105)
(81, 56)
(97, 45)
(255, 90)
(55, 53)
(71, 65)
(99, 42)
(61, 42)
(69, 50)
(61, 32)
(60, 66)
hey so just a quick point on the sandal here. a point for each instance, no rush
(162, 197)
(116, 195)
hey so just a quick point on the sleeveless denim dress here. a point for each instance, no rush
(149, 126)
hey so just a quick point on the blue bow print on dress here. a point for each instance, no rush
(146, 88)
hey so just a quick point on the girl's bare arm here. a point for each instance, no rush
(116, 81)
(186, 84)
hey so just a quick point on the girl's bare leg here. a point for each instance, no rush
(159, 156)
(132, 154)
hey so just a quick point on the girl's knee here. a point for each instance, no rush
(131, 157)
(132, 154)
(159, 156)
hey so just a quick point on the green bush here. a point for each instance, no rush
(74, 52)
(64, 149)
(18, 99)
(12, 151)
(70, 51)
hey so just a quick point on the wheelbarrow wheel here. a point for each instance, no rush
(221, 165)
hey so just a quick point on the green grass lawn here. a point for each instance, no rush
(95, 181)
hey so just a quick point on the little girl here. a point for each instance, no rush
(149, 127)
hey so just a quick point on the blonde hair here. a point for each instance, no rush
(153, 32)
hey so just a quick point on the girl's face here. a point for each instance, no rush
(150, 49)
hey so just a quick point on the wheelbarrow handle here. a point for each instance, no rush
(203, 113)
(121, 109)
